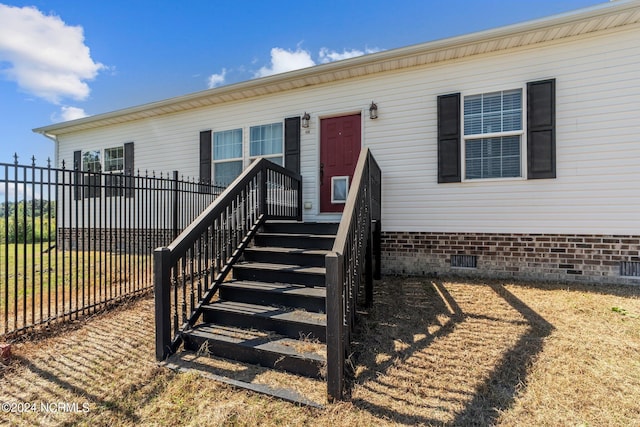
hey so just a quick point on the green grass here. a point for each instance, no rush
(37, 229)
(62, 281)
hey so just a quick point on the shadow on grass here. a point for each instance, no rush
(105, 365)
(427, 357)
(591, 288)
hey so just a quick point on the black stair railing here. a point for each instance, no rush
(189, 271)
(352, 265)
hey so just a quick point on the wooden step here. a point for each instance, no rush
(280, 255)
(280, 273)
(280, 294)
(292, 323)
(268, 350)
(295, 240)
(296, 227)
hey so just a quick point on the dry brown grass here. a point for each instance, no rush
(430, 352)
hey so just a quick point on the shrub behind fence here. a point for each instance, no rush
(73, 242)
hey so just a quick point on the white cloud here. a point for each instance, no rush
(285, 60)
(72, 113)
(68, 113)
(216, 80)
(46, 57)
(327, 55)
(23, 189)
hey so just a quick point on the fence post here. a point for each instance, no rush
(335, 326)
(162, 294)
(175, 211)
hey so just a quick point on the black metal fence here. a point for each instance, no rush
(73, 242)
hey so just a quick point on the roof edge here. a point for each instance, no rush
(613, 6)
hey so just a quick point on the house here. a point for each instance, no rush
(509, 152)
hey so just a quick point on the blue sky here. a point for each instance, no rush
(64, 59)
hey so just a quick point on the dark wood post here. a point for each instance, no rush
(162, 293)
(335, 327)
(299, 201)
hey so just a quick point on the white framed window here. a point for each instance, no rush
(493, 135)
(114, 160)
(227, 156)
(92, 179)
(91, 161)
(107, 161)
(339, 189)
(267, 141)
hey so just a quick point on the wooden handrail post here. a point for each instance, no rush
(162, 294)
(335, 327)
(299, 201)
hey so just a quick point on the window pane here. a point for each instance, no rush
(493, 112)
(265, 140)
(472, 114)
(511, 121)
(511, 167)
(339, 189)
(114, 159)
(492, 102)
(225, 172)
(227, 144)
(473, 168)
(492, 157)
(511, 146)
(492, 123)
(91, 161)
(512, 100)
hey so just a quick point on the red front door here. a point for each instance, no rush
(339, 150)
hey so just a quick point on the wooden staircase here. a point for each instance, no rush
(272, 313)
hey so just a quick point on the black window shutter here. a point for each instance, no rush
(292, 144)
(128, 169)
(541, 129)
(449, 138)
(77, 165)
(205, 156)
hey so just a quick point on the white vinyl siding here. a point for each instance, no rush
(597, 134)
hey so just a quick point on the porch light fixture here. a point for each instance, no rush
(373, 111)
(305, 120)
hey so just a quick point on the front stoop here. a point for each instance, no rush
(272, 314)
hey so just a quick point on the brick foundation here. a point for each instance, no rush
(113, 240)
(572, 257)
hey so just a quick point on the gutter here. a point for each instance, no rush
(54, 138)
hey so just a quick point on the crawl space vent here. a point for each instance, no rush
(630, 268)
(464, 261)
